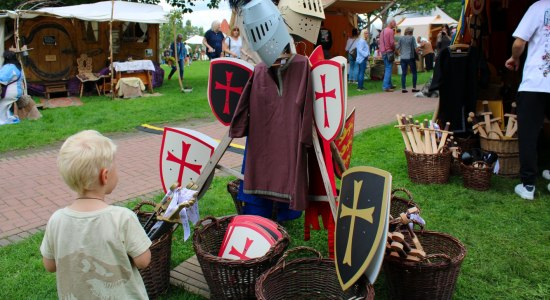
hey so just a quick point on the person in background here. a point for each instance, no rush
(407, 48)
(189, 56)
(387, 46)
(180, 52)
(534, 91)
(213, 41)
(234, 43)
(374, 44)
(325, 40)
(397, 36)
(427, 52)
(350, 45)
(363, 53)
(12, 79)
(443, 38)
(95, 248)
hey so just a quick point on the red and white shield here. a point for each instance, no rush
(183, 155)
(227, 79)
(244, 241)
(328, 95)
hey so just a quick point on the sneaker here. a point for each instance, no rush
(415, 90)
(393, 86)
(360, 89)
(388, 90)
(526, 192)
(404, 91)
(546, 174)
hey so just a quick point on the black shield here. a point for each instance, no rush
(361, 222)
(226, 82)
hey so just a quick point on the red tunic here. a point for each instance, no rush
(275, 111)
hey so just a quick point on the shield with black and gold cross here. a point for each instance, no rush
(361, 224)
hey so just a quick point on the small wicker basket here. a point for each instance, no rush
(432, 278)
(226, 278)
(308, 278)
(476, 178)
(429, 168)
(508, 154)
(156, 276)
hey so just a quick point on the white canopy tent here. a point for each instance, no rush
(194, 40)
(424, 24)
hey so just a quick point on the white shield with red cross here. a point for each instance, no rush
(183, 155)
(328, 97)
(227, 79)
(244, 241)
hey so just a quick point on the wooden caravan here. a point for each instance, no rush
(58, 36)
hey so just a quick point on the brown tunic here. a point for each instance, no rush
(275, 111)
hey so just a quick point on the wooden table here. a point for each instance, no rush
(137, 68)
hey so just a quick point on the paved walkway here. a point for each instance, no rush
(31, 188)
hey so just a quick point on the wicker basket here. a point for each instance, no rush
(508, 154)
(478, 179)
(433, 278)
(467, 143)
(429, 168)
(308, 278)
(157, 275)
(226, 278)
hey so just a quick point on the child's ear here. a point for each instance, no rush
(103, 176)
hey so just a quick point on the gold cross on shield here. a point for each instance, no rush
(353, 212)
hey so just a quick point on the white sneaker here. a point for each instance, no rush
(523, 191)
(546, 174)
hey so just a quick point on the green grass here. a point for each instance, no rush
(507, 238)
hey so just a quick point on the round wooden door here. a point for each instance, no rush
(53, 54)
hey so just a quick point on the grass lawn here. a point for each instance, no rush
(507, 239)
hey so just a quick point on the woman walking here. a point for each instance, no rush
(351, 49)
(407, 47)
(363, 53)
(234, 43)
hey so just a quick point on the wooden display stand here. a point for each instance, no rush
(55, 87)
(144, 75)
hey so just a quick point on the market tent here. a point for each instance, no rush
(194, 40)
(427, 26)
(101, 12)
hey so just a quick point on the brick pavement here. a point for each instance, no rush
(31, 188)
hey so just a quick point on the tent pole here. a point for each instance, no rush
(111, 49)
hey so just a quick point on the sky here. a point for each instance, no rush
(202, 15)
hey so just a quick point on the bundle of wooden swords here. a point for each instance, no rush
(423, 138)
(396, 245)
(490, 127)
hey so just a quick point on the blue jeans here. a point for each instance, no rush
(361, 75)
(352, 75)
(386, 84)
(404, 63)
(180, 64)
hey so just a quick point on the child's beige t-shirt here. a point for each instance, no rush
(91, 252)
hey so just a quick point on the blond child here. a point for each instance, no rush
(95, 248)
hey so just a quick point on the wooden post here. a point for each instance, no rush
(176, 52)
(111, 70)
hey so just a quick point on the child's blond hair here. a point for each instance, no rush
(82, 157)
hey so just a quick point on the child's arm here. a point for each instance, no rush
(49, 264)
(142, 261)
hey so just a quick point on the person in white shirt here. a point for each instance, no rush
(534, 91)
(233, 44)
(363, 53)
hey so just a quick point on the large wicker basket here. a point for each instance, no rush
(428, 168)
(157, 275)
(478, 179)
(508, 154)
(308, 278)
(226, 278)
(433, 278)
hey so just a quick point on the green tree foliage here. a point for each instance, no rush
(167, 33)
(185, 5)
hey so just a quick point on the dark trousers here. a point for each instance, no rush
(531, 109)
(404, 63)
(429, 61)
(180, 64)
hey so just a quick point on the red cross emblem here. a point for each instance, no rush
(242, 255)
(181, 161)
(228, 89)
(324, 95)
